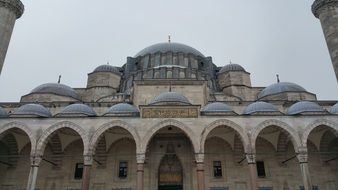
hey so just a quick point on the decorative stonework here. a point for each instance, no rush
(100, 131)
(251, 158)
(223, 122)
(14, 5)
(170, 112)
(35, 160)
(302, 155)
(321, 122)
(199, 157)
(170, 122)
(140, 158)
(64, 124)
(88, 160)
(319, 5)
(290, 131)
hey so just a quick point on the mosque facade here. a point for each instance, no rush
(169, 119)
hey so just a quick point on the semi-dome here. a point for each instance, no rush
(36, 110)
(305, 107)
(169, 47)
(217, 108)
(232, 67)
(77, 109)
(281, 87)
(170, 98)
(122, 109)
(107, 68)
(3, 113)
(260, 107)
(57, 89)
(334, 109)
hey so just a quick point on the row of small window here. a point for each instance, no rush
(122, 172)
(217, 165)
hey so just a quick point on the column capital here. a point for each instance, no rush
(35, 160)
(319, 5)
(140, 158)
(88, 160)
(199, 157)
(302, 157)
(250, 158)
(14, 5)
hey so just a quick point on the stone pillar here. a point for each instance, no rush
(200, 171)
(327, 12)
(33, 173)
(304, 169)
(87, 165)
(251, 159)
(10, 10)
(140, 158)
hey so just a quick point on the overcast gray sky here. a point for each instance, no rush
(72, 37)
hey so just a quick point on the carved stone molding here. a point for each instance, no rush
(140, 158)
(35, 160)
(320, 5)
(199, 157)
(302, 155)
(251, 158)
(14, 5)
(88, 160)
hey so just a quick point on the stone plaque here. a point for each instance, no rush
(170, 112)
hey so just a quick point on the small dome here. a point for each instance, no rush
(259, 107)
(78, 109)
(122, 109)
(107, 68)
(57, 89)
(279, 88)
(32, 109)
(169, 47)
(170, 98)
(3, 113)
(216, 107)
(232, 67)
(334, 109)
(304, 106)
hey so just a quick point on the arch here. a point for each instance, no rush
(117, 123)
(308, 129)
(169, 122)
(272, 122)
(43, 140)
(223, 122)
(22, 127)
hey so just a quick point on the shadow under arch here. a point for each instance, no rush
(292, 132)
(43, 140)
(114, 124)
(170, 122)
(321, 122)
(227, 123)
(17, 125)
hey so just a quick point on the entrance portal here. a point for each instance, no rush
(170, 172)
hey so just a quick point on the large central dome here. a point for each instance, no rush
(169, 47)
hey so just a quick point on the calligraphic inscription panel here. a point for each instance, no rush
(170, 113)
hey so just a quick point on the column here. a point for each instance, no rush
(140, 158)
(33, 173)
(200, 170)
(304, 169)
(251, 159)
(87, 165)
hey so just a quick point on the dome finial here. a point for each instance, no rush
(169, 38)
(277, 75)
(59, 80)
